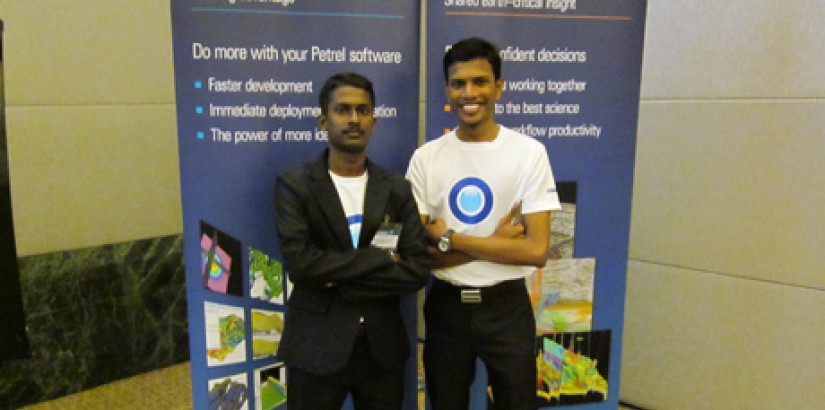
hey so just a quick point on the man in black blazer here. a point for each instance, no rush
(352, 242)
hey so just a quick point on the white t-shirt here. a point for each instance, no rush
(351, 191)
(472, 185)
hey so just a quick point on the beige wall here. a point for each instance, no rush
(91, 122)
(726, 284)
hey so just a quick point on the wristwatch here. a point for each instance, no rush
(444, 243)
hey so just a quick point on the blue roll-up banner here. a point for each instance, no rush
(571, 74)
(247, 76)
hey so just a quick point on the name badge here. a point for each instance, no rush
(387, 235)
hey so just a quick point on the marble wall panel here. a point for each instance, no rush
(96, 315)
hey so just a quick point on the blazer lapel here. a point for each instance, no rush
(375, 201)
(326, 195)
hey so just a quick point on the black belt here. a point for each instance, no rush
(476, 294)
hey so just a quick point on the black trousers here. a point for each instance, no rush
(372, 386)
(500, 330)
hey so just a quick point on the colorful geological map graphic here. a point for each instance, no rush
(232, 334)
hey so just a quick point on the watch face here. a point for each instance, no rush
(444, 245)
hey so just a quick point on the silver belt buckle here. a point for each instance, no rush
(470, 295)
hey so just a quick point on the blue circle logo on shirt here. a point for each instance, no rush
(355, 222)
(471, 200)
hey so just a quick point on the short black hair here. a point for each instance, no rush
(344, 79)
(470, 49)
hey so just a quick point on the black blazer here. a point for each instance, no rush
(334, 284)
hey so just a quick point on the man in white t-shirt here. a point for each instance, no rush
(484, 192)
(352, 242)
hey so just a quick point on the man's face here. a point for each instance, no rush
(349, 120)
(472, 91)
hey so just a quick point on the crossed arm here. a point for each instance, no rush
(316, 260)
(516, 241)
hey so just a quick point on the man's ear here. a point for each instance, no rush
(322, 122)
(499, 87)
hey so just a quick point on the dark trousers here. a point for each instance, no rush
(500, 331)
(372, 386)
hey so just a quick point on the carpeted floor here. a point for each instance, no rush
(165, 389)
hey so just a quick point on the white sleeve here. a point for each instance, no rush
(540, 186)
(417, 176)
